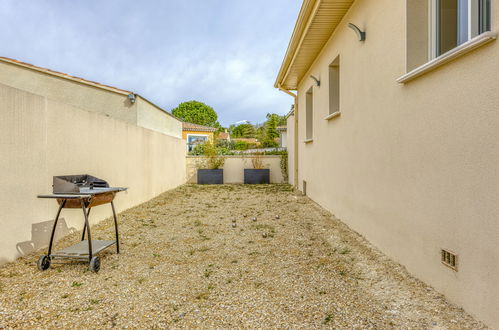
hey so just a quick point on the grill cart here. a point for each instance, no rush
(85, 192)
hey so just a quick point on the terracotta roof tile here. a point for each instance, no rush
(196, 127)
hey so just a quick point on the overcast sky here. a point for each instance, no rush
(225, 53)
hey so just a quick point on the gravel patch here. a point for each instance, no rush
(230, 256)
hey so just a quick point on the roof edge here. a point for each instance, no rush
(305, 33)
(298, 31)
(197, 127)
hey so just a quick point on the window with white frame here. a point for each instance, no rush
(194, 139)
(434, 27)
(454, 22)
(309, 114)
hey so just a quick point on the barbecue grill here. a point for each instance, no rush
(85, 192)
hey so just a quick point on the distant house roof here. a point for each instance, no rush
(249, 140)
(223, 136)
(196, 127)
(282, 128)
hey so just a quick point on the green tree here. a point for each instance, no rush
(271, 126)
(197, 113)
(243, 130)
(219, 127)
(260, 133)
(283, 121)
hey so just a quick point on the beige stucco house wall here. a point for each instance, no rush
(90, 96)
(45, 133)
(411, 165)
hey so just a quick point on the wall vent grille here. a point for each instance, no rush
(449, 259)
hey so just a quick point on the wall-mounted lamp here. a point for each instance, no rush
(360, 34)
(317, 81)
(131, 97)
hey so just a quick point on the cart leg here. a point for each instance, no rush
(85, 225)
(88, 230)
(55, 226)
(116, 229)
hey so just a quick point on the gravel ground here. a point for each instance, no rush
(185, 264)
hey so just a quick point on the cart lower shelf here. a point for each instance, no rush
(85, 250)
(80, 250)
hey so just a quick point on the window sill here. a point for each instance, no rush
(460, 50)
(333, 115)
(308, 141)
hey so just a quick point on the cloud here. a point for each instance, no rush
(224, 53)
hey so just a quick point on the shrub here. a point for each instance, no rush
(225, 151)
(213, 158)
(276, 152)
(225, 144)
(270, 144)
(241, 145)
(198, 150)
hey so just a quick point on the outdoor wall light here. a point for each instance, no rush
(131, 97)
(317, 81)
(360, 34)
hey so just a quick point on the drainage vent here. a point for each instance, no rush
(449, 259)
(304, 187)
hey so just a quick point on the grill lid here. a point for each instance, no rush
(77, 183)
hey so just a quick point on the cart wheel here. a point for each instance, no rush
(43, 263)
(94, 264)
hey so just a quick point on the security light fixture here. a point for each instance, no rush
(360, 34)
(317, 81)
(131, 97)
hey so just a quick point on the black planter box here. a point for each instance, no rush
(211, 176)
(253, 176)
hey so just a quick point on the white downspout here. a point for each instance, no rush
(295, 138)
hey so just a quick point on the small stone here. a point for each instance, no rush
(234, 225)
(254, 218)
(277, 217)
(234, 220)
(264, 235)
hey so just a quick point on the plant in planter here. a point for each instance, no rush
(209, 170)
(258, 174)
